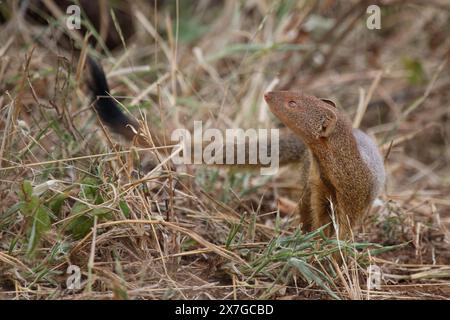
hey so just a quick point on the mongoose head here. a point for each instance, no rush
(310, 117)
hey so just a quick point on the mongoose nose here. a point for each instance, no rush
(267, 96)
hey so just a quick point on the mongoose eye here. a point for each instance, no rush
(292, 104)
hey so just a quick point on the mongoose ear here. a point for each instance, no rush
(328, 123)
(329, 102)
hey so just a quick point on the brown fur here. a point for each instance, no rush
(342, 168)
(341, 182)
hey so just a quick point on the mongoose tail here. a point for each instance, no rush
(107, 109)
(346, 169)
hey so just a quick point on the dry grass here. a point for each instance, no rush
(69, 194)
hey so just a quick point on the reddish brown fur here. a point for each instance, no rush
(340, 181)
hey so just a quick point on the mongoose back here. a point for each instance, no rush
(346, 170)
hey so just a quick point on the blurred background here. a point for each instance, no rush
(172, 62)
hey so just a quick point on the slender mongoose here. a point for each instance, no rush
(342, 169)
(346, 170)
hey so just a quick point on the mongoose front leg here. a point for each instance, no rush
(326, 210)
(321, 213)
(304, 205)
(321, 199)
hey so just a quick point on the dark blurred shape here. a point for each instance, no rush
(37, 12)
(95, 13)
